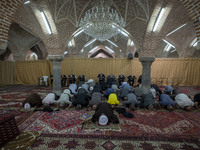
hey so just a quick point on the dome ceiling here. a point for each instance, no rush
(139, 15)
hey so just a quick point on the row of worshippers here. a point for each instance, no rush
(104, 110)
(101, 79)
(91, 93)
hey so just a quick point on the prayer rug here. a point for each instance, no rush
(61, 122)
(90, 125)
(183, 125)
(22, 142)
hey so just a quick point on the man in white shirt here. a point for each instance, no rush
(65, 99)
(73, 88)
(184, 102)
(49, 99)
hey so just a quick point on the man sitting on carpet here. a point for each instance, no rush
(126, 89)
(97, 88)
(81, 99)
(166, 102)
(175, 92)
(158, 90)
(104, 114)
(168, 89)
(138, 92)
(96, 98)
(91, 83)
(73, 88)
(33, 100)
(49, 99)
(108, 92)
(131, 101)
(148, 102)
(65, 99)
(184, 102)
(115, 88)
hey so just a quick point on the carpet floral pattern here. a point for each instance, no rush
(161, 130)
(183, 125)
(62, 122)
(51, 142)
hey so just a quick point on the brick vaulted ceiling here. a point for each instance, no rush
(21, 24)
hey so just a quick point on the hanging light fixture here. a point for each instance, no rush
(101, 21)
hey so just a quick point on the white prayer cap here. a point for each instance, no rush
(27, 106)
(103, 120)
(91, 88)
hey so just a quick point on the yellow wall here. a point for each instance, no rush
(176, 72)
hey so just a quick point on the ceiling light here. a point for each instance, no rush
(46, 23)
(99, 20)
(90, 42)
(109, 49)
(176, 29)
(70, 43)
(131, 44)
(112, 43)
(167, 48)
(194, 42)
(26, 2)
(122, 32)
(79, 32)
(168, 43)
(93, 49)
(159, 19)
(173, 51)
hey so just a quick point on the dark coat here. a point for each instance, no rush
(33, 99)
(106, 109)
(197, 98)
(81, 99)
(156, 88)
(97, 88)
(148, 99)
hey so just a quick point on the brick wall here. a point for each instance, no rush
(193, 8)
(7, 11)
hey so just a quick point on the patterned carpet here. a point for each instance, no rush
(148, 130)
(90, 142)
(160, 130)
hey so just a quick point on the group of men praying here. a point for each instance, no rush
(111, 92)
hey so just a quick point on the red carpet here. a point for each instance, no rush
(62, 130)
(148, 130)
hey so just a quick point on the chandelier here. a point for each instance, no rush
(101, 21)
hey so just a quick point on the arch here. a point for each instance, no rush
(7, 17)
(100, 51)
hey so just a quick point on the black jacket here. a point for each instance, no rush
(106, 109)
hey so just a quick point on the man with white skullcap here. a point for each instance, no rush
(104, 114)
(103, 120)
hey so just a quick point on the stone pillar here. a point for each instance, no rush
(146, 73)
(3, 46)
(56, 61)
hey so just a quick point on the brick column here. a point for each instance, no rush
(146, 73)
(56, 61)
